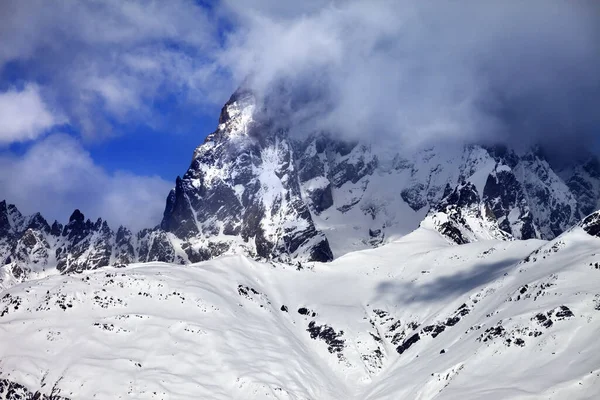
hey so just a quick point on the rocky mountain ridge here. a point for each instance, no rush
(255, 188)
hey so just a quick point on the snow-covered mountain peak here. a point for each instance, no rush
(11, 220)
(238, 114)
(463, 218)
(254, 188)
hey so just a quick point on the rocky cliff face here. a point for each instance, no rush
(242, 191)
(254, 188)
(30, 244)
(462, 217)
(591, 224)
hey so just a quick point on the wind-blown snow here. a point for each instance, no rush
(236, 328)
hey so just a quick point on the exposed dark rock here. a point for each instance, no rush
(56, 229)
(504, 193)
(434, 330)
(413, 197)
(124, 250)
(347, 171)
(5, 226)
(88, 245)
(307, 312)
(464, 195)
(321, 198)
(246, 290)
(326, 333)
(408, 343)
(453, 233)
(582, 185)
(38, 223)
(543, 320)
(491, 333)
(10, 390)
(156, 246)
(591, 224)
(563, 312)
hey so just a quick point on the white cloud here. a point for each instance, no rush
(57, 176)
(117, 99)
(69, 25)
(24, 115)
(111, 61)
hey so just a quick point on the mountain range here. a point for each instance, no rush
(306, 266)
(253, 188)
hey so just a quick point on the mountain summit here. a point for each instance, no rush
(257, 189)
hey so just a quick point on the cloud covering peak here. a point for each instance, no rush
(418, 71)
(407, 70)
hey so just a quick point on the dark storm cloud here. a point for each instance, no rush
(408, 70)
(427, 71)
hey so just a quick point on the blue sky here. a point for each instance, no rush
(142, 149)
(103, 102)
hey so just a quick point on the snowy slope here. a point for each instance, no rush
(418, 318)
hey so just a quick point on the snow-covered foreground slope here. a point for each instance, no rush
(415, 319)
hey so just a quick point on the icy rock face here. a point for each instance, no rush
(363, 195)
(462, 218)
(23, 240)
(124, 251)
(156, 245)
(522, 192)
(507, 200)
(241, 193)
(591, 224)
(84, 245)
(10, 390)
(584, 182)
(553, 205)
(31, 245)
